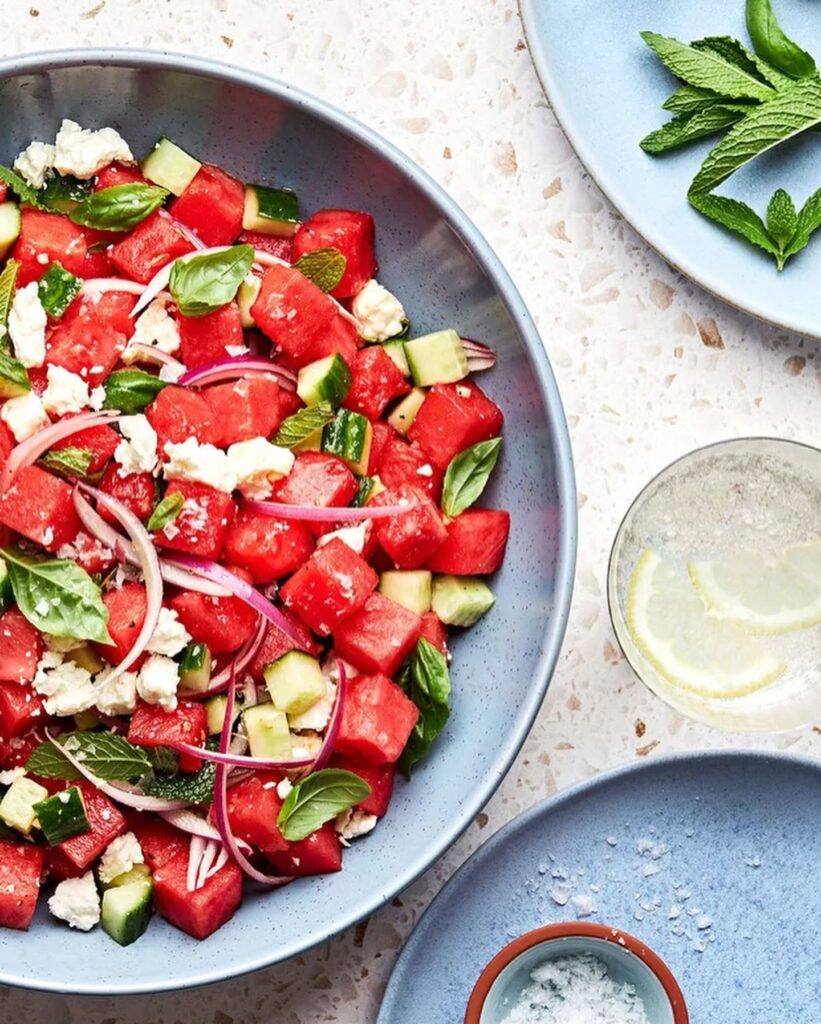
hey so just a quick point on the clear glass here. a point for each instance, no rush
(759, 494)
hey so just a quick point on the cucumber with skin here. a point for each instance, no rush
(404, 412)
(437, 358)
(169, 166)
(62, 816)
(268, 732)
(10, 224)
(195, 668)
(271, 211)
(460, 600)
(326, 380)
(395, 350)
(349, 436)
(295, 682)
(126, 911)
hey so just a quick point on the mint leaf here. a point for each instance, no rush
(317, 799)
(202, 284)
(57, 597)
(687, 128)
(325, 267)
(809, 220)
(24, 192)
(166, 511)
(302, 424)
(738, 217)
(195, 787)
(733, 52)
(689, 99)
(57, 289)
(788, 114)
(8, 282)
(130, 391)
(104, 753)
(706, 69)
(68, 461)
(14, 377)
(120, 207)
(782, 218)
(426, 680)
(773, 45)
(468, 474)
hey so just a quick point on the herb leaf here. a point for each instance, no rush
(773, 45)
(62, 192)
(689, 99)
(738, 217)
(734, 52)
(302, 424)
(166, 511)
(426, 681)
(317, 799)
(8, 281)
(202, 284)
(325, 267)
(21, 188)
(198, 787)
(468, 474)
(57, 289)
(68, 461)
(706, 69)
(118, 208)
(13, 372)
(57, 597)
(104, 753)
(687, 128)
(809, 220)
(130, 391)
(782, 218)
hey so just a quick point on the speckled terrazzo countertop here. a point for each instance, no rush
(649, 366)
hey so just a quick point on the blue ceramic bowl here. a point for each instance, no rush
(446, 275)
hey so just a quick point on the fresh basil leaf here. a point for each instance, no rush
(302, 424)
(21, 188)
(325, 267)
(131, 391)
(809, 220)
(74, 462)
(734, 52)
(119, 208)
(773, 45)
(57, 289)
(468, 474)
(689, 99)
(14, 377)
(688, 128)
(706, 69)
(8, 282)
(202, 284)
(788, 114)
(317, 799)
(782, 218)
(104, 753)
(57, 596)
(196, 787)
(426, 681)
(62, 192)
(738, 217)
(166, 511)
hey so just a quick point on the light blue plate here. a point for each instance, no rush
(446, 274)
(740, 832)
(607, 88)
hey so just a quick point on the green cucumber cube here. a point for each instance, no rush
(410, 588)
(246, 297)
(268, 732)
(14, 378)
(295, 682)
(17, 806)
(349, 436)
(326, 380)
(437, 358)
(170, 167)
(404, 412)
(195, 668)
(62, 816)
(460, 600)
(395, 350)
(126, 911)
(271, 211)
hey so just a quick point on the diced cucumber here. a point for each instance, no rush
(86, 721)
(139, 873)
(377, 487)
(170, 167)
(395, 350)
(17, 806)
(268, 732)
(410, 588)
(62, 816)
(215, 713)
(437, 358)
(404, 412)
(349, 436)
(326, 380)
(460, 600)
(295, 682)
(363, 491)
(195, 668)
(271, 211)
(126, 911)
(57, 289)
(62, 192)
(246, 297)
(5, 586)
(14, 378)
(86, 657)
(9, 226)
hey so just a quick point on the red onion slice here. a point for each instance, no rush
(100, 285)
(150, 354)
(316, 514)
(334, 722)
(239, 366)
(189, 821)
(479, 355)
(241, 760)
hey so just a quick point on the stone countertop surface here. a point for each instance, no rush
(649, 366)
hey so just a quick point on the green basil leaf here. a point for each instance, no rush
(57, 597)
(104, 753)
(809, 220)
(782, 218)
(62, 192)
(8, 282)
(119, 208)
(689, 99)
(688, 128)
(14, 377)
(706, 69)
(196, 787)
(68, 461)
(325, 267)
(734, 52)
(202, 284)
(131, 391)
(468, 474)
(426, 681)
(302, 424)
(738, 217)
(788, 114)
(317, 799)
(57, 289)
(166, 511)
(773, 45)
(21, 188)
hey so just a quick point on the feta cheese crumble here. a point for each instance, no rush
(66, 392)
(352, 824)
(379, 312)
(97, 398)
(83, 152)
(317, 716)
(120, 856)
(158, 680)
(27, 326)
(256, 464)
(169, 636)
(34, 163)
(353, 536)
(138, 452)
(24, 416)
(202, 463)
(115, 696)
(77, 902)
(68, 689)
(154, 328)
(284, 787)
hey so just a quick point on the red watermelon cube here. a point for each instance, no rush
(376, 381)
(340, 337)
(50, 235)
(153, 726)
(282, 248)
(379, 777)
(152, 244)
(268, 548)
(245, 409)
(21, 866)
(320, 480)
(202, 525)
(349, 231)
(404, 463)
(409, 538)
(221, 623)
(454, 417)
(126, 608)
(435, 632)
(212, 206)
(40, 507)
(377, 638)
(319, 854)
(253, 808)
(136, 491)
(202, 912)
(100, 441)
(179, 413)
(118, 174)
(293, 312)
(159, 841)
(20, 706)
(92, 335)
(21, 647)
(381, 436)
(475, 543)
(377, 720)
(203, 339)
(105, 821)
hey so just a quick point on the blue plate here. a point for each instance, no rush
(712, 859)
(606, 88)
(434, 258)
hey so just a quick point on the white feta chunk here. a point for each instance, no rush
(83, 152)
(352, 824)
(158, 680)
(27, 326)
(77, 902)
(9, 777)
(66, 392)
(115, 696)
(353, 536)
(379, 312)
(24, 415)
(256, 464)
(120, 856)
(169, 636)
(318, 714)
(154, 328)
(68, 689)
(202, 463)
(138, 452)
(34, 163)
(284, 787)
(237, 350)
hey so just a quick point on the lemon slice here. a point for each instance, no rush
(685, 643)
(764, 596)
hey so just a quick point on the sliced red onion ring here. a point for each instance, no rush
(149, 563)
(334, 722)
(238, 663)
(219, 863)
(123, 794)
(150, 354)
(189, 821)
(239, 588)
(192, 236)
(100, 285)
(240, 760)
(196, 849)
(316, 514)
(479, 355)
(239, 366)
(28, 451)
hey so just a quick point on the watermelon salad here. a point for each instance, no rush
(237, 521)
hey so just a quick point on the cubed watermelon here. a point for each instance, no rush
(377, 638)
(376, 381)
(160, 842)
(253, 807)
(89, 553)
(245, 409)
(282, 248)
(379, 777)
(454, 417)
(21, 866)
(58, 867)
(349, 231)
(92, 335)
(136, 491)
(268, 548)
(21, 707)
(404, 463)
(203, 339)
(212, 206)
(340, 337)
(319, 854)
(411, 537)
(293, 312)
(202, 912)
(319, 479)
(377, 720)
(21, 647)
(381, 436)
(179, 413)
(152, 244)
(275, 643)
(100, 441)
(39, 506)
(118, 174)
(221, 623)
(48, 235)
(153, 726)
(126, 607)
(475, 543)
(435, 632)
(202, 525)
(105, 821)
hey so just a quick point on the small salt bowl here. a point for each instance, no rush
(626, 959)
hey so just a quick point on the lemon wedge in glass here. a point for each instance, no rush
(764, 595)
(685, 643)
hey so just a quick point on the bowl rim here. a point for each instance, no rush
(576, 929)
(556, 624)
